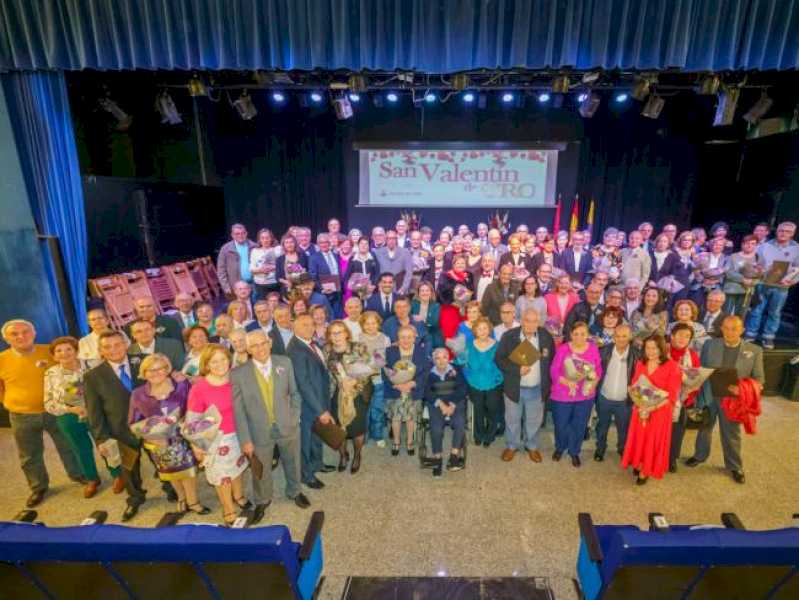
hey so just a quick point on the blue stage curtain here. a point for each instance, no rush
(437, 36)
(38, 107)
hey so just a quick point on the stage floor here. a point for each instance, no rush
(494, 519)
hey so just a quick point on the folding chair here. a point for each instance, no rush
(136, 282)
(161, 288)
(181, 279)
(209, 270)
(118, 301)
(198, 276)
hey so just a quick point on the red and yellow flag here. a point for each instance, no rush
(590, 220)
(573, 223)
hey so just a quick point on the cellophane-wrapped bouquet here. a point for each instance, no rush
(403, 371)
(647, 397)
(647, 326)
(457, 344)
(461, 294)
(693, 378)
(74, 397)
(753, 271)
(581, 372)
(360, 284)
(554, 326)
(157, 427)
(359, 364)
(420, 263)
(520, 273)
(202, 430)
(293, 272)
(669, 284)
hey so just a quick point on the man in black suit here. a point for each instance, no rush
(323, 267)
(712, 316)
(587, 311)
(184, 313)
(263, 318)
(526, 388)
(145, 342)
(313, 381)
(514, 255)
(613, 402)
(164, 326)
(503, 289)
(382, 301)
(576, 260)
(107, 390)
(282, 331)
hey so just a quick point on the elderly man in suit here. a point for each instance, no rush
(313, 381)
(712, 317)
(728, 351)
(495, 248)
(145, 342)
(164, 326)
(613, 401)
(503, 289)
(107, 390)
(324, 269)
(395, 260)
(184, 310)
(267, 404)
(526, 388)
(576, 260)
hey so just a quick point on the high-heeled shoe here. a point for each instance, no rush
(197, 509)
(395, 449)
(344, 459)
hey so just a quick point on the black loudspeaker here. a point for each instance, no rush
(774, 362)
(790, 382)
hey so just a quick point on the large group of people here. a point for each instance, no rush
(389, 336)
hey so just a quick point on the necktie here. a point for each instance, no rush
(386, 304)
(708, 322)
(267, 393)
(331, 264)
(125, 378)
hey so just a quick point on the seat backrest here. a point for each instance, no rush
(138, 287)
(182, 280)
(162, 288)
(209, 269)
(118, 302)
(198, 276)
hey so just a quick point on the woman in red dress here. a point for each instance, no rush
(649, 437)
(452, 311)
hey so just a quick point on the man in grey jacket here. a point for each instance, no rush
(267, 405)
(395, 260)
(233, 262)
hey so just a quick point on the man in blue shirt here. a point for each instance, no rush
(233, 262)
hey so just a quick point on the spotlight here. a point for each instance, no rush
(725, 109)
(759, 109)
(622, 97)
(543, 97)
(582, 97)
(429, 97)
(560, 85)
(589, 105)
(245, 107)
(197, 87)
(507, 97)
(342, 108)
(279, 97)
(124, 120)
(460, 81)
(652, 107)
(392, 97)
(355, 98)
(642, 86)
(316, 97)
(709, 85)
(468, 97)
(166, 107)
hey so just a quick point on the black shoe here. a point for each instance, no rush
(259, 511)
(131, 511)
(394, 450)
(599, 456)
(243, 503)
(486, 444)
(739, 477)
(327, 469)
(437, 469)
(556, 455)
(692, 462)
(410, 451)
(301, 501)
(454, 463)
(198, 509)
(343, 460)
(673, 468)
(35, 498)
(314, 484)
(576, 461)
(641, 480)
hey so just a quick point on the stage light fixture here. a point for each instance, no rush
(709, 85)
(653, 106)
(197, 87)
(543, 97)
(355, 98)
(759, 109)
(468, 97)
(581, 97)
(589, 105)
(642, 86)
(245, 107)
(278, 97)
(460, 81)
(622, 97)
(124, 120)
(507, 97)
(590, 77)
(430, 97)
(560, 85)
(342, 108)
(725, 109)
(167, 109)
(357, 83)
(392, 97)
(316, 97)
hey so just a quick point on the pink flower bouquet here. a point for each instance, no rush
(647, 397)
(157, 427)
(669, 284)
(580, 371)
(202, 429)
(360, 284)
(293, 272)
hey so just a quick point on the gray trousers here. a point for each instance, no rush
(730, 438)
(289, 459)
(28, 430)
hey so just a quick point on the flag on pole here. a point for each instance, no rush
(573, 223)
(590, 220)
(556, 224)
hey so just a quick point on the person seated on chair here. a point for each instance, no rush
(445, 397)
(164, 326)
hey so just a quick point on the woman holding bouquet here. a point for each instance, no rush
(351, 367)
(576, 370)
(362, 262)
(161, 397)
(224, 461)
(649, 318)
(530, 297)
(457, 275)
(290, 261)
(744, 270)
(425, 309)
(649, 436)
(686, 358)
(63, 398)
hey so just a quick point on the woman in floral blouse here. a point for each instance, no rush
(63, 398)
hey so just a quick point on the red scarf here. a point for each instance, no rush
(745, 408)
(454, 275)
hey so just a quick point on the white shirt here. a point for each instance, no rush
(482, 284)
(533, 377)
(89, 348)
(267, 328)
(147, 349)
(660, 258)
(577, 258)
(264, 368)
(354, 327)
(187, 319)
(314, 348)
(500, 329)
(331, 261)
(630, 306)
(117, 366)
(615, 385)
(386, 299)
(285, 334)
(709, 318)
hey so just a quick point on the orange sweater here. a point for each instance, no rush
(22, 379)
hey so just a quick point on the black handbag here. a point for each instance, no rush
(697, 418)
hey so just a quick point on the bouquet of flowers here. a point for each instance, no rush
(413, 220)
(554, 326)
(709, 275)
(378, 360)
(457, 344)
(293, 272)
(461, 294)
(753, 271)
(157, 427)
(520, 273)
(73, 396)
(402, 372)
(358, 365)
(360, 284)
(499, 222)
(643, 328)
(669, 284)
(557, 273)
(693, 378)
(420, 263)
(203, 429)
(647, 397)
(580, 371)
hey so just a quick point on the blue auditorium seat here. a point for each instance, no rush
(622, 561)
(106, 562)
